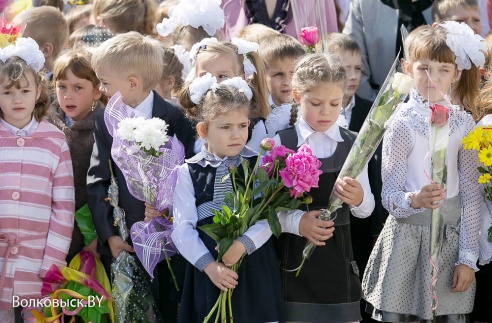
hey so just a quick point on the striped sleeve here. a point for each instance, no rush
(62, 213)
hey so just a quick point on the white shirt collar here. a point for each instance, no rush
(272, 104)
(304, 131)
(26, 131)
(145, 107)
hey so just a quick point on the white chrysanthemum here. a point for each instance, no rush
(240, 84)
(127, 127)
(200, 86)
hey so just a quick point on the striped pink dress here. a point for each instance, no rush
(36, 209)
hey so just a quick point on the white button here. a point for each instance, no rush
(14, 250)
(20, 142)
(15, 195)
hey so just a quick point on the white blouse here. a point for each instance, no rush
(406, 167)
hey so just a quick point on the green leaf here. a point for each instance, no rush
(273, 222)
(215, 231)
(262, 175)
(224, 245)
(482, 170)
(263, 186)
(225, 177)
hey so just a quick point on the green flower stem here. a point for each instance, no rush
(263, 204)
(172, 272)
(253, 171)
(212, 311)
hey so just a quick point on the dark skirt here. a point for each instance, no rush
(328, 286)
(256, 299)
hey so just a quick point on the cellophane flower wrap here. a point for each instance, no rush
(85, 290)
(480, 139)
(310, 22)
(149, 160)
(281, 183)
(393, 91)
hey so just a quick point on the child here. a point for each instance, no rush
(257, 33)
(328, 285)
(89, 37)
(280, 53)
(466, 11)
(172, 77)
(222, 116)
(78, 17)
(403, 293)
(222, 60)
(132, 65)
(78, 98)
(36, 193)
(121, 16)
(47, 26)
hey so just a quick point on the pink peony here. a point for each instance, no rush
(278, 152)
(267, 144)
(301, 171)
(309, 36)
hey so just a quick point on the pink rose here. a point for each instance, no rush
(439, 115)
(301, 171)
(309, 36)
(277, 153)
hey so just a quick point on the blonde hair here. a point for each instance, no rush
(223, 99)
(440, 8)
(131, 54)
(313, 70)
(279, 47)
(78, 62)
(163, 10)
(187, 36)
(485, 104)
(338, 42)
(256, 33)
(77, 13)
(127, 15)
(260, 106)
(47, 25)
(14, 70)
(430, 43)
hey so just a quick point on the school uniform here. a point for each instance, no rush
(98, 181)
(328, 286)
(199, 191)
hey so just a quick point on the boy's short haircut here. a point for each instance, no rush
(257, 33)
(131, 54)
(47, 25)
(279, 47)
(440, 8)
(338, 42)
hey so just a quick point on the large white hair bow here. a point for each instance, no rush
(204, 13)
(243, 48)
(201, 85)
(465, 44)
(28, 50)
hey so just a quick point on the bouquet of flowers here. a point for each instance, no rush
(480, 139)
(393, 91)
(310, 21)
(280, 184)
(149, 160)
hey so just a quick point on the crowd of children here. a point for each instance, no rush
(221, 94)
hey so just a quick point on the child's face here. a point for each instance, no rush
(279, 79)
(76, 95)
(442, 74)
(320, 105)
(226, 135)
(17, 104)
(352, 62)
(222, 66)
(111, 83)
(468, 15)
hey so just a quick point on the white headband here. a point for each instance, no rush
(201, 85)
(26, 49)
(243, 48)
(204, 13)
(465, 44)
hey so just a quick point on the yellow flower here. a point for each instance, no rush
(485, 156)
(474, 139)
(487, 134)
(484, 178)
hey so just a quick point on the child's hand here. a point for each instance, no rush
(314, 229)
(462, 279)
(430, 197)
(349, 191)
(233, 254)
(116, 244)
(222, 277)
(92, 247)
(151, 212)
